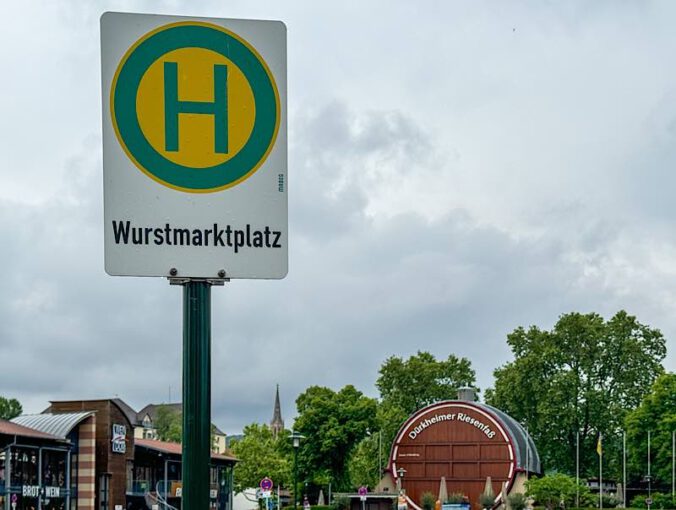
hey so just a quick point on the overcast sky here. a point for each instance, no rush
(456, 169)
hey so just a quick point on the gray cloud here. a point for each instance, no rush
(453, 174)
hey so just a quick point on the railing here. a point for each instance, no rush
(172, 489)
(162, 499)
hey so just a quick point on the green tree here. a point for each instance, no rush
(260, 454)
(422, 380)
(9, 408)
(363, 464)
(389, 419)
(408, 385)
(657, 414)
(333, 423)
(582, 377)
(549, 491)
(169, 424)
(405, 386)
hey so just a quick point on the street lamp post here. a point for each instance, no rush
(295, 438)
(401, 472)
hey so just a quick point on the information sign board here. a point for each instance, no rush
(194, 146)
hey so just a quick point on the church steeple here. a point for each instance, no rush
(277, 423)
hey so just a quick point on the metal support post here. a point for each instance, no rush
(649, 475)
(295, 478)
(196, 394)
(40, 495)
(69, 483)
(8, 475)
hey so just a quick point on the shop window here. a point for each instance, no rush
(104, 492)
(54, 468)
(25, 475)
(174, 470)
(24, 466)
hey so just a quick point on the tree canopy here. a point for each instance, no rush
(581, 377)
(169, 424)
(9, 408)
(405, 386)
(422, 380)
(657, 414)
(333, 424)
(260, 454)
(408, 385)
(363, 465)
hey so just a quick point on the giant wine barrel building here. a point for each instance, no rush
(464, 442)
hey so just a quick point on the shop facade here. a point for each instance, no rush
(35, 470)
(157, 476)
(88, 449)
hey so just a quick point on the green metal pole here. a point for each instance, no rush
(295, 478)
(196, 394)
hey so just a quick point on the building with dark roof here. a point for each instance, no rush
(39, 466)
(83, 455)
(146, 425)
(34, 464)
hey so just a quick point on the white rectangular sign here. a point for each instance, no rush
(194, 146)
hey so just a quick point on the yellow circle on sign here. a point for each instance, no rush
(195, 83)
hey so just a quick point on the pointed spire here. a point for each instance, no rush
(277, 423)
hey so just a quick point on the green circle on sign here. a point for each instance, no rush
(125, 118)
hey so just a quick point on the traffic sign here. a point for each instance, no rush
(363, 491)
(266, 484)
(194, 146)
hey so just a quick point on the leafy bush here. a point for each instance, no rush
(342, 503)
(549, 491)
(639, 501)
(455, 497)
(660, 501)
(663, 501)
(428, 500)
(486, 500)
(517, 501)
